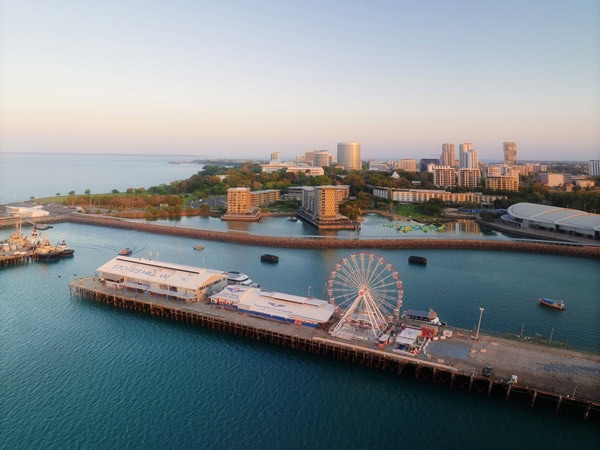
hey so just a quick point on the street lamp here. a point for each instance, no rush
(479, 324)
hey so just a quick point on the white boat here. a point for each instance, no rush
(64, 249)
(242, 279)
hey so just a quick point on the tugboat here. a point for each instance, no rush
(64, 249)
(46, 251)
(556, 304)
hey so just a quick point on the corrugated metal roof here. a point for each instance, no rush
(158, 272)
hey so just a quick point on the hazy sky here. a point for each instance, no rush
(246, 78)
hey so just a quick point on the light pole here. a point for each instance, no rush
(479, 324)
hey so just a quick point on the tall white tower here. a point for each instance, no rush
(510, 153)
(348, 155)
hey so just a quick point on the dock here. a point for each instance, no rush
(564, 380)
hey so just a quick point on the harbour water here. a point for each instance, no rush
(83, 375)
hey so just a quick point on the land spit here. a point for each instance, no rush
(320, 242)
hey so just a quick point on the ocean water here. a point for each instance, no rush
(41, 175)
(76, 374)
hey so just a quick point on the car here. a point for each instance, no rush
(487, 371)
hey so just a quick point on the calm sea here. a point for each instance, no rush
(79, 375)
(23, 176)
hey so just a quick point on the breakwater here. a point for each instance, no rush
(567, 249)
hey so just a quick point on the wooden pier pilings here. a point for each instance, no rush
(323, 345)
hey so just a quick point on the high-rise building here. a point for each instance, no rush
(510, 153)
(276, 156)
(321, 158)
(444, 176)
(464, 149)
(447, 158)
(469, 159)
(594, 167)
(348, 155)
(469, 177)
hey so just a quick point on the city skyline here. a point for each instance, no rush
(245, 80)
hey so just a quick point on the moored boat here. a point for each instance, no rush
(269, 258)
(417, 260)
(242, 279)
(557, 304)
(198, 247)
(64, 249)
(46, 251)
(125, 252)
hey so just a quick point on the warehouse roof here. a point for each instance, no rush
(276, 304)
(148, 271)
(552, 215)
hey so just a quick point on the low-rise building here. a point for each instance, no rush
(306, 311)
(173, 281)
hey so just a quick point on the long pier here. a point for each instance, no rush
(455, 375)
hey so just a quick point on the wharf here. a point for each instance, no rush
(16, 257)
(567, 381)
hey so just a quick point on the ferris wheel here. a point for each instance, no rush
(367, 292)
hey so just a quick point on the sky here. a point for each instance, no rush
(247, 78)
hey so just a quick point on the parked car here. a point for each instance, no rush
(487, 371)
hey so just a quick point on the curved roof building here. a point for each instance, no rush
(565, 220)
(348, 155)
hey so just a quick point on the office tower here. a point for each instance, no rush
(348, 155)
(447, 158)
(510, 153)
(594, 167)
(276, 157)
(321, 158)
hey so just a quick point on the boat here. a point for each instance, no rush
(46, 251)
(125, 252)
(43, 226)
(241, 279)
(557, 304)
(293, 219)
(198, 247)
(269, 258)
(64, 249)
(417, 260)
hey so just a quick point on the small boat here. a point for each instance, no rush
(557, 304)
(43, 226)
(238, 278)
(269, 258)
(125, 252)
(417, 260)
(198, 247)
(293, 219)
(64, 249)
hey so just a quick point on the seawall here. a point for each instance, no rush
(334, 242)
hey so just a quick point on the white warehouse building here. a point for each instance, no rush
(174, 281)
(306, 311)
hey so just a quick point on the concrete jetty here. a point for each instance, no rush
(566, 381)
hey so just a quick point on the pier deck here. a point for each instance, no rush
(570, 380)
